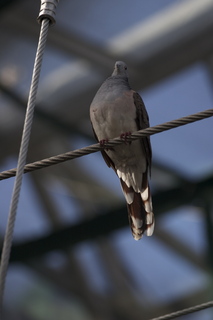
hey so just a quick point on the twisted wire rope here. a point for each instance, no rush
(22, 157)
(186, 311)
(111, 143)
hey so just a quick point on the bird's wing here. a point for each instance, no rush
(142, 121)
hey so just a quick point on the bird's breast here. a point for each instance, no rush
(112, 117)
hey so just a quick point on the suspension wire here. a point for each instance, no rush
(186, 311)
(22, 157)
(111, 143)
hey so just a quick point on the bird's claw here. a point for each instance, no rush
(103, 142)
(125, 136)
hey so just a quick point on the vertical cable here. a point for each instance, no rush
(22, 157)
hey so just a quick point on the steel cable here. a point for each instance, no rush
(111, 143)
(22, 157)
(186, 311)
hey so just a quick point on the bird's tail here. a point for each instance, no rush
(139, 205)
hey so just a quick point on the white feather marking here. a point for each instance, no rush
(129, 197)
(137, 222)
(145, 194)
(148, 206)
(137, 236)
(125, 177)
(135, 182)
(119, 173)
(131, 177)
(150, 229)
(149, 218)
(122, 175)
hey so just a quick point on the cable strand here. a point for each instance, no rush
(22, 158)
(111, 143)
(186, 311)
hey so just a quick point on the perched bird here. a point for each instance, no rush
(117, 110)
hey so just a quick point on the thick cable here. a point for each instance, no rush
(22, 157)
(186, 311)
(112, 142)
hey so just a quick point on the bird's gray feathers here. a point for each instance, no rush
(115, 110)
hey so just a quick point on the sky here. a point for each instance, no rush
(187, 149)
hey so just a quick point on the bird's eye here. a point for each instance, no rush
(125, 68)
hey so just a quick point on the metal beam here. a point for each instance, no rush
(104, 224)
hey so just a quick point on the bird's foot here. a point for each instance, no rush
(125, 136)
(103, 142)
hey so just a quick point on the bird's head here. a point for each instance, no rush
(120, 69)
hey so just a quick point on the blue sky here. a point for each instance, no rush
(159, 272)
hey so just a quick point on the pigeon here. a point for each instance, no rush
(117, 110)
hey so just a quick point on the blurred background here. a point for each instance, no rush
(73, 254)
